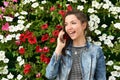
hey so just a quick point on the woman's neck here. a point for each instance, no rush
(79, 42)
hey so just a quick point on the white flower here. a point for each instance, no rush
(116, 67)
(21, 17)
(96, 4)
(5, 70)
(6, 60)
(32, 0)
(20, 27)
(2, 55)
(103, 37)
(74, 1)
(91, 10)
(84, 1)
(95, 18)
(20, 21)
(105, 6)
(111, 78)
(107, 41)
(89, 38)
(69, 0)
(16, 14)
(23, 12)
(19, 77)
(17, 36)
(9, 19)
(117, 25)
(80, 7)
(12, 28)
(10, 76)
(110, 37)
(20, 47)
(97, 32)
(115, 73)
(34, 5)
(8, 38)
(4, 78)
(104, 25)
(43, 2)
(21, 62)
(1, 36)
(19, 58)
(110, 63)
(26, 1)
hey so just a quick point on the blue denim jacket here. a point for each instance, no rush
(92, 64)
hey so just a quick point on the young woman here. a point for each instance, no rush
(74, 57)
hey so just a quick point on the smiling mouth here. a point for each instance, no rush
(72, 33)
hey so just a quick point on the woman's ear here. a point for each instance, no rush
(84, 24)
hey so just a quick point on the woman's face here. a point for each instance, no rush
(74, 27)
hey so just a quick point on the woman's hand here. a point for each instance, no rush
(60, 42)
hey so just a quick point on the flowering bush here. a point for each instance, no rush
(29, 29)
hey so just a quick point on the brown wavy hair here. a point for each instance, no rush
(80, 16)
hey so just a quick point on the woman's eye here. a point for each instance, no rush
(73, 22)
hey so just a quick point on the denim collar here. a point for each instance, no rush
(70, 47)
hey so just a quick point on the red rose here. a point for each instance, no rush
(28, 34)
(38, 49)
(59, 27)
(52, 8)
(62, 12)
(22, 38)
(17, 43)
(32, 40)
(27, 68)
(22, 51)
(38, 75)
(46, 49)
(52, 40)
(44, 26)
(45, 37)
(55, 33)
(59, 6)
(46, 60)
(69, 7)
(42, 56)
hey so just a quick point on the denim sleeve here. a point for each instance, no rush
(53, 66)
(100, 73)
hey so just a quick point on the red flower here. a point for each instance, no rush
(59, 6)
(69, 7)
(22, 51)
(28, 34)
(38, 49)
(38, 75)
(27, 68)
(42, 56)
(17, 43)
(62, 12)
(55, 33)
(52, 8)
(46, 49)
(52, 40)
(22, 38)
(59, 27)
(46, 60)
(44, 26)
(45, 37)
(32, 40)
